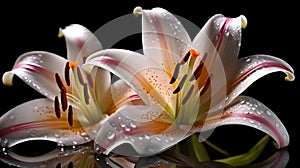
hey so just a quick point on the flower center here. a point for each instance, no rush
(76, 94)
(184, 78)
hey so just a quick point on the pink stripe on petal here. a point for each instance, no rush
(29, 125)
(221, 33)
(260, 120)
(37, 69)
(257, 67)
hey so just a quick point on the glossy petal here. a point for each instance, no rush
(59, 157)
(142, 74)
(80, 41)
(134, 136)
(221, 37)
(165, 40)
(37, 69)
(250, 112)
(254, 67)
(36, 120)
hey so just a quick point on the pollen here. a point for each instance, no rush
(244, 21)
(137, 10)
(73, 64)
(194, 53)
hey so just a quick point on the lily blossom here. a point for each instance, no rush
(188, 86)
(75, 103)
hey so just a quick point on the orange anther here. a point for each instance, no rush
(194, 53)
(73, 64)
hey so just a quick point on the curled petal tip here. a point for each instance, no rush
(7, 78)
(60, 33)
(244, 21)
(137, 10)
(289, 77)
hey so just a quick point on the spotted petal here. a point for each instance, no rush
(36, 120)
(80, 41)
(37, 69)
(132, 137)
(250, 112)
(252, 68)
(142, 74)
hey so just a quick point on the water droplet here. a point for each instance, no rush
(171, 138)
(147, 136)
(268, 112)
(127, 129)
(123, 125)
(4, 142)
(75, 142)
(151, 148)
(11, 117)
(251, 121)
(248, 59)
(34, 133)
(132, 125)
(56, 135)
(83, 134)
(60, 143)
(157, 138)
(110, 135)
(277, 124)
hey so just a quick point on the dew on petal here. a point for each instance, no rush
(268, 112)
(110, 135)
(34, 133)
(132, 125)
(4, 142)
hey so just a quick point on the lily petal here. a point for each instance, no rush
(37, 69)
(250, 112)
(165, 40)
(79, 155)
(80, 41)
(142, 74)
(36, 120)
(119, 94)
(221, 37)
(132, 137)
(252, 68)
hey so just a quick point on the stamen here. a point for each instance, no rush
(67, 75)
(64, 101)
(59, 81)
(86, 94)
(79, 75)
(73, 64)
(194, 53)
(180, 84)
(185, 58)
(188, 95)
(244, 21)
(197, 72)
(175, 74)
(70, 115)
(137, 10)
(90, 80)
(206, 84)
(56, 107)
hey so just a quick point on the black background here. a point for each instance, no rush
(272, 29)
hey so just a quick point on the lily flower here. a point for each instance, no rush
(188, 86)
(75, 103)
